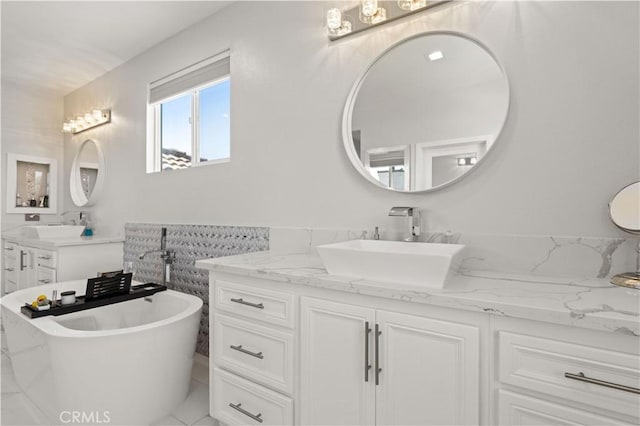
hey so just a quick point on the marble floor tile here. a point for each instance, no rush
(207, 421)
(8, 384)
(196, 406)
(17, 410)
(168, 421)
(200, 373)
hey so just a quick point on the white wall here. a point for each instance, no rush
(570, 142)
(31, 124)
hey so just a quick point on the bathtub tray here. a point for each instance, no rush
(137, 291)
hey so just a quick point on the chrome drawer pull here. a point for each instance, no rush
(239, 348)
(44, 281)
(367, 366)
(8, 269)
(255, 417)
(377, 334)
(253, 305)
(581, 377)
(44, 257)
(9, 248)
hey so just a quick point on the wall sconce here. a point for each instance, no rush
(87, 121)
(372, 13)
(468, 160)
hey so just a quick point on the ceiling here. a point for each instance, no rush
(60, 46)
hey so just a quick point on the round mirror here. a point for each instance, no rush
(87, 174)
(624, 208)
(425, 112)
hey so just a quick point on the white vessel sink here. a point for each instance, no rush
(52, 232)
(401, 264)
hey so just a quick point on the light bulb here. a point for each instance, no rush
(97, 114)
(411, 4)
(66, 127)
(461, 161)
(334, 19)
(473, 161)
(88, 118)
(368, 8)
(405, 4)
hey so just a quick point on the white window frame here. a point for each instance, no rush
(154, 118)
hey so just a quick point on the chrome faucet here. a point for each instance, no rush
(414, 224)
(167, 256)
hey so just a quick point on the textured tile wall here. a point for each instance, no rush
(190, 243)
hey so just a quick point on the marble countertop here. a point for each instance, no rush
(61, 242)
(587, 303)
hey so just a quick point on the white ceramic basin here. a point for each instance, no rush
(400, 264)
(52, 232)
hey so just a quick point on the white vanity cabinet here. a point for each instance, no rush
(293, 345)
(550, 374)
(326, 365)
(362, 366)
(29, 263)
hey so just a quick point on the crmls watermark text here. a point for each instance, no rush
(84, 417)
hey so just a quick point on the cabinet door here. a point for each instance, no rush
(27, 275)
(334, 389)
(430, 371)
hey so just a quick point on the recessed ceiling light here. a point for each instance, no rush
(434, 56)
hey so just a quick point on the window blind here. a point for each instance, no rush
(387, 159)
(197, 75)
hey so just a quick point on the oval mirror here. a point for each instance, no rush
(87, 174)
(624, 208)
(425, 112)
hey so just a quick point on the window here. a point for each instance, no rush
(188, 116)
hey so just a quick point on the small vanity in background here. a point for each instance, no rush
(29, 262)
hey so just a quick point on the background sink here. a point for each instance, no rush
(44, 232)
(401, 264)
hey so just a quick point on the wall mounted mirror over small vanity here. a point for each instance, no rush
(425, 112)
(87, 174)
(31, 184)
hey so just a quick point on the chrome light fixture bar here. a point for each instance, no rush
(87, 121)
(372, 13)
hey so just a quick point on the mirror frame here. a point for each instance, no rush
(351, 100)
(75, 180)
(12, 170)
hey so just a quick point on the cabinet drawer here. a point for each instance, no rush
(10, 273)
(46, 258)
(46, 275)
(237, 401)
(10, 250)
(257, 303)
(10, 286)
(515, 409)
(257, 352)
(540, 364)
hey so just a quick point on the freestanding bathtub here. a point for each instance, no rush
(123, 364)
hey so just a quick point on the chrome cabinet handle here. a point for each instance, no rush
(237, 407)
(44, 257)
(8, 269)
(253, 305)
(367, 366)
(582, 378)
(377, 353)
(44, 281)
(9, 248)
(239, 348)
(22, 266)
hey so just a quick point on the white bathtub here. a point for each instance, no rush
(123, 364)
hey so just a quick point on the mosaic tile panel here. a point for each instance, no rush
(190, 243)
